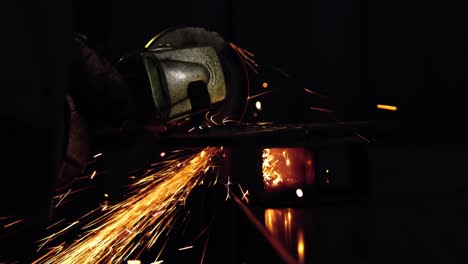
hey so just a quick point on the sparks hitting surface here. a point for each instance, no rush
(287, 168)
(134, 225)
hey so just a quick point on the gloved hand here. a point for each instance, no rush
(103, 111)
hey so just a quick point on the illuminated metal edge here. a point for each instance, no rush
(302, 135)
(246, 142)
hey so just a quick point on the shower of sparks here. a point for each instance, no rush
(271, 176)
(128, 228)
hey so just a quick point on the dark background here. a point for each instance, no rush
(361, 53)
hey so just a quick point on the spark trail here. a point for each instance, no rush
(129, 228)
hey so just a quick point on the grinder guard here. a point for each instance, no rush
(171, 68)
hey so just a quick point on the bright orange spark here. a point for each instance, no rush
(135, 224)
(265, 85)
(387, 107)
(286, 167)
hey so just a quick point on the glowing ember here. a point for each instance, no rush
(387, 107)
(126, 229)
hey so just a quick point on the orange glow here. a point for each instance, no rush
(127, 228)
(265, 85)
(286, 167)
(300, 247)
(387, 107)
(287, 225)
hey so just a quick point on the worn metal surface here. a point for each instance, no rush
(180, 67)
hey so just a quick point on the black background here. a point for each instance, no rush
(361, 53)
